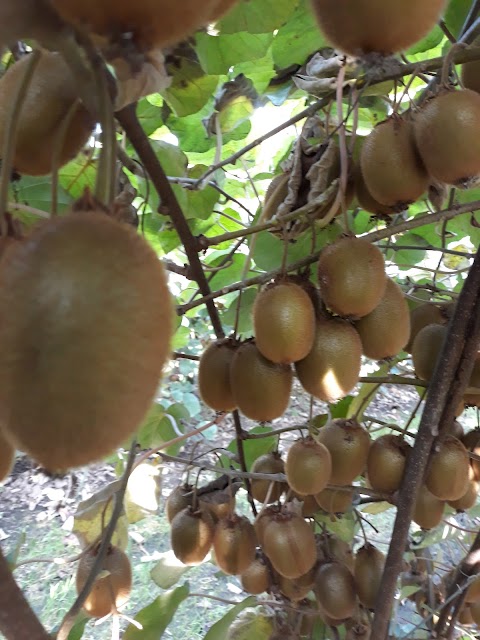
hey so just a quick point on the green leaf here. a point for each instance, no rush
(78, 175)
(430, 41)
(261, 16)
(297, 39)
(219, 630)
(344, 527)
(245, 324)
(159, 427)
(168, 570)
(156, 617)
(406, 258)
(36, 192)
(366, 393)
(456, 14)
(218, 53)
(254, 448)
(376, 507)
(191, 88)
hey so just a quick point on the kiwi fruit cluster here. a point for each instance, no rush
(88, 320)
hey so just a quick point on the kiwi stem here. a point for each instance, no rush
(343, 147)
(11, 127)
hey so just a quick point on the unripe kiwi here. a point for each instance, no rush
(214, 375)
(425, 314)
(7, 456)
(390, 164)
(351, 276)
(145, 24)
(234, 544)
(426, 349)
(267, 463)
(386, 462)
(374, 26)
(386, 330)
(289, 544)
(332, 368)
(447, 475)
(86, 331)
(428, 510)
(446, 133)
(256, 577)
(191, 535)
(261, 389)
(348, 443)
(284, 322)
(369, 563)
(471, 440)
(335, 590)
(180, 498)
(308, 466)
(334, 500)
(50, 97)
(110, 591)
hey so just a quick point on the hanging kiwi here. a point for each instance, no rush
(470, 72)
(425, 314)
(349, 444)
(338, 550)
(112, 588)
(256, 577)
(261, 388)
(385, 331)
(446, 133)
(334, 500)
(426, 349)
(428, 510)
(365, 199)
(180, 498)
(298, 588)
(214, 375)
(51, 97)
(386, 462)
(191, 535)
(284, 322)
(391, 167)
(369, 564)
(28, 19)
(469, 499)
(366, 26)
(335, 590)
(263, 519)
(234, 544)
(447, 474)
(88, 319)
(471, 440)
(267, 463)
(332, 367)
(308, 466)
(7, 456)
(351, 277)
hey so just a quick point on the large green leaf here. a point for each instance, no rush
(191, 88)
(156, 617)
(297, 39)
(261, 16)
(456, 14)
(218, 53)
(219, 630)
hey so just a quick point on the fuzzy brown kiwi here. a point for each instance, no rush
(332, 368)
(191, 535)
(349, 444)
(367, 26)
(298, 588)
(473, 591)
(256, 577)
(234, 544)
(471, 440)
(309, 504)
(28, 19)
(469, 499)
(426, 349)
(446, 136)
(475, 611)
(351, 277)
(284, 322)
(180, 498)
(263, 519)
(391, 167)
(334, 500)
(338, 550)
(308, 466)
(261, 388)
(425, 314)
(219, 505)
(369, 563)
(447, 474)
(386, 330)
(110, 591)
(82, 361)
(50, 97)
(335, 590)
(145, 24)
(365, 199)
(386, 462)
(470, 72)
(428, 510)
(7, 457)
(214, 375)
(267, 463)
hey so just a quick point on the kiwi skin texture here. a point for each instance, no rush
(49, 98)
(334, 500)
(369, 563)
(446, 133)
(267, 463)
(118, 582)
(82, 360)
(308, 466)
(214, 376)
(351, 277)
(256, 577)
(386, 462)
(448, 469)
(367, 26)
(7, 457)
(332, 368)
(284, 322)
(191, 535)
(335, 590)
(425, 314)
(289, 544)
(234, 544)
(180, 498)
(428, 510)
(426, 349)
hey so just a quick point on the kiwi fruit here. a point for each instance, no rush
(475, 612)
(261, 388)
(112, 588)
(446, 131)
(425, 314)
(426, 349)
(367, 26)
(447, 474)
(263, 519)
(267, 463)
(234, 544)
(218, 504)
(473, 591)
(299, 588)
(7, 457)
(334, 500)
(214, 375)
(308, 466)
(428, 510)
(86, 331)
(470, 72)
(471, 440)
(469, 499)
(336, 549)
(191, 535)
(386, 330)
(256, 577)
(349, 444)
(51, 95)
(180, 498)
(351, 277)
(284, 322)
(465, 615)
(145, 24)
(29, 19)
(289, 544)
(390, 164)
(309, 504)
(275, 195)
(369, 563)
(455, 429)
(335, 590)
(386, 462)
(332, 368)
(366, 201)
